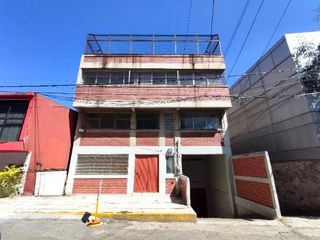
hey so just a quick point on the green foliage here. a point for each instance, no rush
(10, 180)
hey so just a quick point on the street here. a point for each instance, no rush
(66, 227)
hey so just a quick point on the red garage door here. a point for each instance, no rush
(146, 177)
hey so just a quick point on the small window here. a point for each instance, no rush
(199, 121)
(108, 121)
(170, 164)
(12, 114)
(147, 121)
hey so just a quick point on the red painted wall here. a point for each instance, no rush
(48, 135)
(91, 185)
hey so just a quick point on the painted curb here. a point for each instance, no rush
(131, 216)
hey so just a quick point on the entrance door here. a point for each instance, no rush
(146, 177)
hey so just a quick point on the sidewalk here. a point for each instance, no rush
(148, 208)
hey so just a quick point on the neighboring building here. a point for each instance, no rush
(35, 133)
(272, 115)
(152, 107)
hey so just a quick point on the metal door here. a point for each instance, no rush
(146, 177)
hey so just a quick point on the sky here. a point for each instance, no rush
(41, 42)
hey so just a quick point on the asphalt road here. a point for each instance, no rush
(287, 228)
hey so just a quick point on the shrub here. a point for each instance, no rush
(10, 180)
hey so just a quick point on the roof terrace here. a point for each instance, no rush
(152, 44)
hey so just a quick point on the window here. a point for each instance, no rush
(159, 78)
(147, 121)
(108, 121)
(170, 164)
(171, 78)
(168, 122)
(186, 78)
(105, 78)
(92, 164)
(12, 114)
(199, 121)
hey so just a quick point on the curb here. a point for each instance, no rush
(131, 216)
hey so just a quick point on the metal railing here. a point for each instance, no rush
(101, 44)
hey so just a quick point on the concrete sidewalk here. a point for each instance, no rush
(148, 208)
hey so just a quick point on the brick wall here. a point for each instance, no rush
(201, 139)
(169, 139)
(250, 166)
(251, 178)
(105, 139)
(171, 186)
(153, 93)
(91, 185)
(254, 191)
(147, 138)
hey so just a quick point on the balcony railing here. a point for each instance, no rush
(135, 44)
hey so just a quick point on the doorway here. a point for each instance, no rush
(146, 176)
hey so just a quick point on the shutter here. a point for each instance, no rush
(91, 164)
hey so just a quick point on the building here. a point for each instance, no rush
(152, 107)
(35, 133)
(274, 113)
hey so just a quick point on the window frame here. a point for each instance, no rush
(10, 108)
(196, 116)
(116, 118)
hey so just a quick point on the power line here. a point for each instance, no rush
(184, 79)
(212, 15)
(247, 36)
(278, 24)
(243, 12)
(188, 25)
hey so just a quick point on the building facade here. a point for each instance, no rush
(153, 107)
(274, 112)
(32, 128)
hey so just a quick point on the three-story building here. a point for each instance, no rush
(153, 107)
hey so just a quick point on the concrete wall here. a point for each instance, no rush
(218, 190)
(211, 173)
(288, 128)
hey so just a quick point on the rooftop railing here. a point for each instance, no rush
(138, 44)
